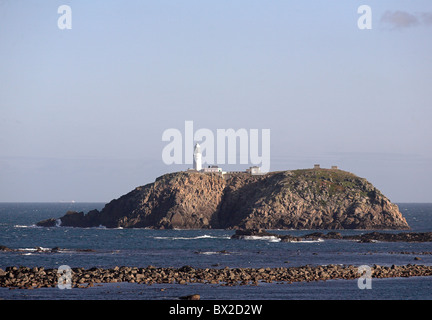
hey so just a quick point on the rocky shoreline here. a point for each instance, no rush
(39, 277)
(366, 237)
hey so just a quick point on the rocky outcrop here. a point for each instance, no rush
(298, 199)
(39, 277)
(43, 250)
(367, 237)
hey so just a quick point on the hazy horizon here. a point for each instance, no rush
(83, 110)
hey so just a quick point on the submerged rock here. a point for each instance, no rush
(370, 237)
(191, 297)
(5, 249)
(47, 223)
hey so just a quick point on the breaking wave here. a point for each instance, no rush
(206, 236)
(265, 238)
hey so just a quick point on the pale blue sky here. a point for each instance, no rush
(82, 111)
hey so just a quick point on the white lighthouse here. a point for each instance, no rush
(197, 162)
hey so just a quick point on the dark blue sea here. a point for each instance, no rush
(203, 249)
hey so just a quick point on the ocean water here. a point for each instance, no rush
(203, 249)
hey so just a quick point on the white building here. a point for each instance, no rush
(255, 170)
(215, 169)
(197, 165)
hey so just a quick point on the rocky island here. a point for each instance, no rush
(295, 199)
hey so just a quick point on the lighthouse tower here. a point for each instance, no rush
(197, 162)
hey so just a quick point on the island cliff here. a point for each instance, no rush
(297, 199)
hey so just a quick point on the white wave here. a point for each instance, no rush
(311, 241)
(307, 241)
(206, 236)
(23, 226)
(37, 249)
(27, 249)
(224, 252)
(265, 238)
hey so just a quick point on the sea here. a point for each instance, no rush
(106, 248)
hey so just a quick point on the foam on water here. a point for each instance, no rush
(263, 238)
(206, 236)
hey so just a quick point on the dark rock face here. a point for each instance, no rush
(47, 223)
(298, 199)
(393, 237)
(5, 249)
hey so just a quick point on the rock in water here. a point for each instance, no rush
(191, 297)
(298, 199)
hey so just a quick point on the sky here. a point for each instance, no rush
(83, 110)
